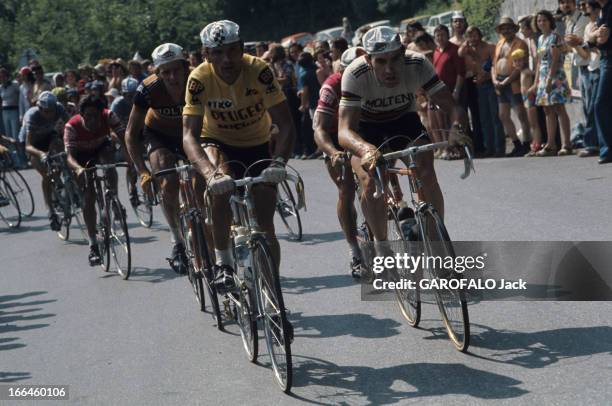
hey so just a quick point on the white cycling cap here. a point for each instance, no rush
(220, 33)
(380, 40)
(166, 53)
(350, 55)
(46, 100)
(129, 85)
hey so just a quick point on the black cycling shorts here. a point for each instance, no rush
(154, 140)
(408, 125)
(242, 157)
(43, 142)
(83, 157)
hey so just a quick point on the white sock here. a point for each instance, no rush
(175, 236)
(224, 257)
(354, 250)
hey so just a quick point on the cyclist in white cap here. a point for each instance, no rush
(325, 123)
(155, 126)
(232, 100)
(42, 126)
(379, 102)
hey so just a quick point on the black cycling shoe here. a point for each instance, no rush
(94, 256)
(357, 270)
(224, 278)
(178, 259)
(54, 222)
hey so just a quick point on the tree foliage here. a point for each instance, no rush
(482, 13)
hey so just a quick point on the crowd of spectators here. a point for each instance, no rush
(523, 73)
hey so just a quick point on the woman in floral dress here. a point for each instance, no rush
(551, 88)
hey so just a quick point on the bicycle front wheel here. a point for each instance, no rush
(22, 191)
(143, 209)
(272, 308)
(119, 239)
(195, 277)
(451, 302)
(287, 208)
(248, 323)
(10, 212)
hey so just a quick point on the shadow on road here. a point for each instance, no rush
(17, 314)
(299, 286)
(337, 325)
(541, 348)
(381, 386)
(314, 239)
(153, 275)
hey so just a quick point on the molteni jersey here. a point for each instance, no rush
(163, 114)
(361, 89)
(236, 114)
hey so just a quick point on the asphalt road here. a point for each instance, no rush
(144, 341)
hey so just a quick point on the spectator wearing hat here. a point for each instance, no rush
(122, 104)
(508, 84)
(98, 88)
(458, 25)
(118, 72)
(59, 80)
(478, 56)
(195, 59)
(450, 68)
(551, 87)
(591, 143)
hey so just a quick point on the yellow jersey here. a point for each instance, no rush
(235, 114)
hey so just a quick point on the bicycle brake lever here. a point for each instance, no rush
(378, 183)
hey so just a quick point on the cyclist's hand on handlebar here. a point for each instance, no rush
(80, 172)
(457, 137)
(370, 158)
(275, 173)
(337, 159)
(3, 150)
(220, 184)
(145, 181)
(43, 159)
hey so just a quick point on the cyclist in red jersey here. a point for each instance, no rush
(87, 139)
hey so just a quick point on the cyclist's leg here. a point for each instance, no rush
(45, 182)
(264, 197)
(427, 175)
(163, 158)
(345, 207)
(220, 207)
(374, 209)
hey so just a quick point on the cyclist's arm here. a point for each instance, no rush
(132, 137)
(323, 126)
(71, 149)
(348, 137)
(444, 99)
(285, 139)
(192, 127)
(31, 148)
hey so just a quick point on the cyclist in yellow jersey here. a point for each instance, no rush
(232, 100)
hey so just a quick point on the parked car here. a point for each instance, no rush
(404, 23)
(303, 38)
(442, 18)
(329, 34)
(364, 28)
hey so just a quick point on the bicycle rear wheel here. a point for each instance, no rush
(451, 302)
(62, 207)
(272, 307)
(287, 208)
(144, 209)
(119, 239)
(22, 191)
(10, 212)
